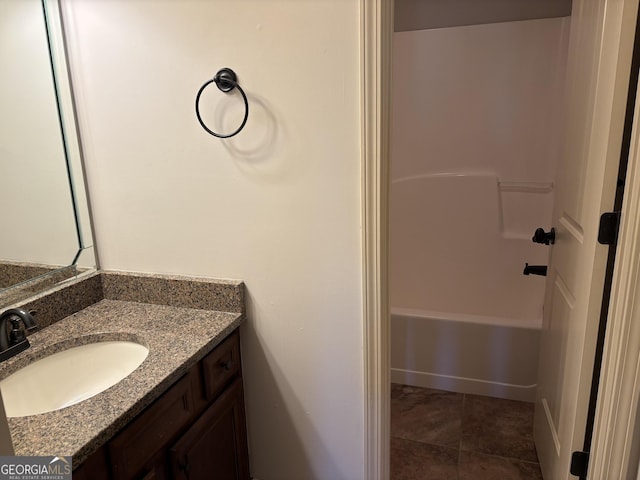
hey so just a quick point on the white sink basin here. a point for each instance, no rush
(69, 377)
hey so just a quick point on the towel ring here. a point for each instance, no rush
(226, 80)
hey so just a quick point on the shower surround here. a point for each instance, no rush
(475, 130)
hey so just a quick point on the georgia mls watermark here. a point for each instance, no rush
(35, 468)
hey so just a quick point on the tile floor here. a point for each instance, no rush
(438, 435)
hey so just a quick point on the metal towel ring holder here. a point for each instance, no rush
(226, 80)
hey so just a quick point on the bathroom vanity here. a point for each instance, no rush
(194, 430)
(180, 414)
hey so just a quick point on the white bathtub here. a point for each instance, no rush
(464, 354)
(463, 316)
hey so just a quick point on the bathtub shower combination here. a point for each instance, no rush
(475, 139)
(464, 317)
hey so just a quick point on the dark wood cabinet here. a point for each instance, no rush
(195, 430)
(96, 467)
(212, 447)
(135, 448)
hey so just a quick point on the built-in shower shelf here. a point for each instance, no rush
(526, 187)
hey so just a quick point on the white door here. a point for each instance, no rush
(599, 60)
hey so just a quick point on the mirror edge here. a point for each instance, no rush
(54, 22)
(85, 259)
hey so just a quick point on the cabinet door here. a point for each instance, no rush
(155, 469)
(215, 447)
(96, 467)
(133, 451)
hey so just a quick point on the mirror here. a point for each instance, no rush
(44, 217)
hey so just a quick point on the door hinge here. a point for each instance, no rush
(579, 464)
(608, 231)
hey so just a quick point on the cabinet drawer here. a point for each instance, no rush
(132, 449)
(220, 366)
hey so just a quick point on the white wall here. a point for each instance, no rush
(483, 99)
(277, 206)
(37, 214)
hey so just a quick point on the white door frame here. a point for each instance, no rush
(614, 454)
(376, 32)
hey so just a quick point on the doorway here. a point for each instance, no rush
(476, 116)
(376, 313)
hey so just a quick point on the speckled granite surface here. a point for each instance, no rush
(179, 291)
(177, 336)
(41, 279)
(64, 300)
(12, 273)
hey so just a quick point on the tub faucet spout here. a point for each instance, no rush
(535, 270)
(15, 341)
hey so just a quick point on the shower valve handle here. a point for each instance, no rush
(540, 236)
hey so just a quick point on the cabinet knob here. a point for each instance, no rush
(226, 365)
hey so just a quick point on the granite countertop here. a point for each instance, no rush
(177, 338)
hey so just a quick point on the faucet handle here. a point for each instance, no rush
(16, 334)
(16, 341)
(540, 236)
(31, 323)
(17, 314)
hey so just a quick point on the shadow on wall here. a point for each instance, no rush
(261, 139)
(287, 422)
(258, 146)
(223, 113)
(429, 14)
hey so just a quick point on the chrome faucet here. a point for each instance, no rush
(14, 341)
